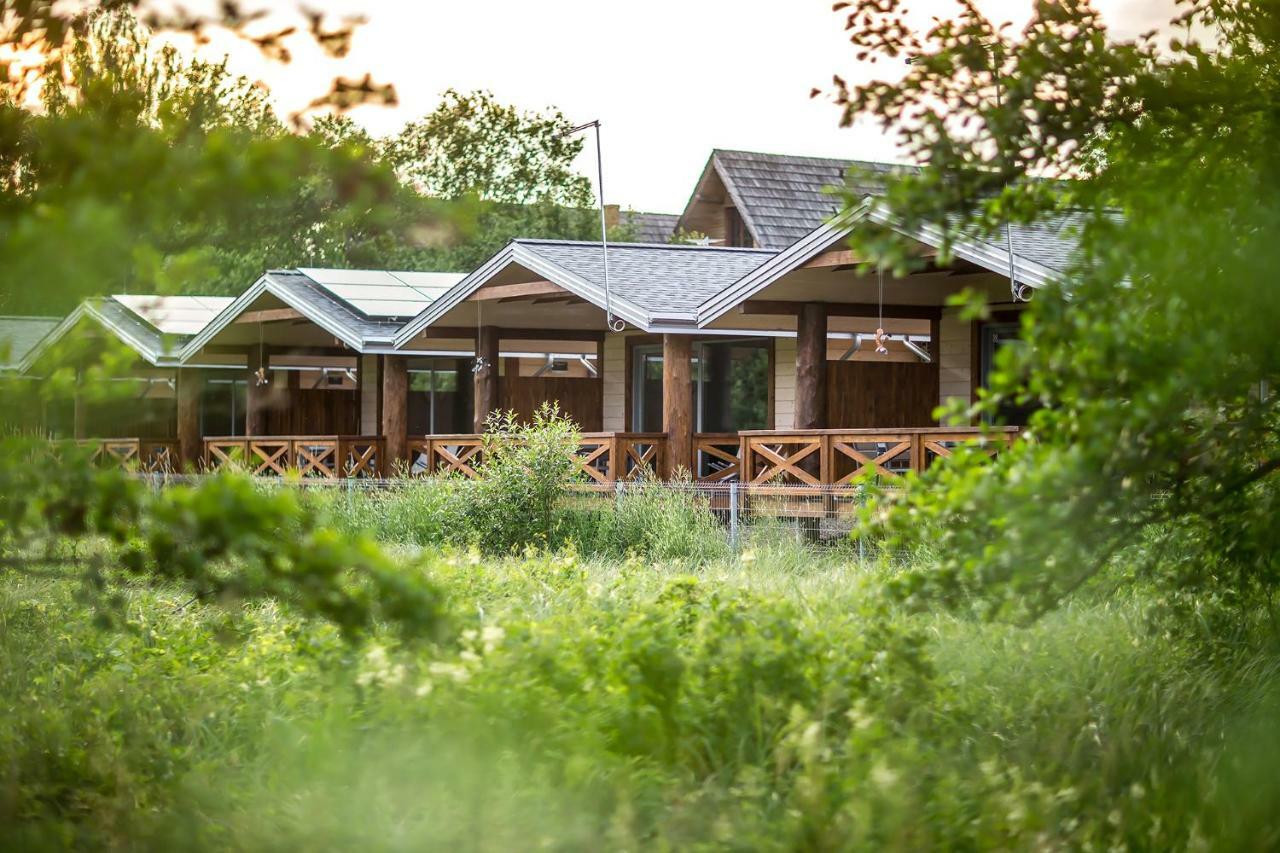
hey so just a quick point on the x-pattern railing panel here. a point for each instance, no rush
(718, 457)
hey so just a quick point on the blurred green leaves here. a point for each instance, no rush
(1155, 442)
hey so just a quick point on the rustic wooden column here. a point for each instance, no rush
(677, 401)
(190, 445)
(255, 415)
(78, 411)
(486, 397)
(395, 412)
(811, 367)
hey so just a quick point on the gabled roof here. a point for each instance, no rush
(984, 254)
(126, 318)
(19, 335)
(650, 285)
(174, 315)
(383, 294)
(781, 199)
(311, 300)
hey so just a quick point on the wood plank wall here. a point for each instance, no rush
(888, 395)
(316, 412)
(580, 399)
(784, 383)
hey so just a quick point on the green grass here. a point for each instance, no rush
(771, 702)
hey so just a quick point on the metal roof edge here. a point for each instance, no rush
(451, 297)
(782, 263)
(225, 317)
(556, 274)
(50, 337)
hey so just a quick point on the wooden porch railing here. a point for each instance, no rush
(147, 454)
(779, 458)
(834, 457)
(604, 457)
(330, 457)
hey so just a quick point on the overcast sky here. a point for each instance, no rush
(668, 79)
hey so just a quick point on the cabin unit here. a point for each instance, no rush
(763, 353)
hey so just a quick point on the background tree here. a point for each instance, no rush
(512, 169)
(1155, 444)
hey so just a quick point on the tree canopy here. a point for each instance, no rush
(172, 174)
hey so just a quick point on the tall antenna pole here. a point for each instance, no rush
(615, 324)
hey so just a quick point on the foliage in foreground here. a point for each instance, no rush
(1154, 363)
(222, 539)
(622, 706)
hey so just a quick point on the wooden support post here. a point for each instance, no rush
(395, 412)
(811, 367)
(486, 397)
(677, 401)
(255, 415)
(190, 446)
(78, 410)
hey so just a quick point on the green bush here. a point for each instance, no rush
(515, 502)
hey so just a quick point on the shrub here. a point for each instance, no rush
(515, 502)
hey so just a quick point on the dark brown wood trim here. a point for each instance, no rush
(780, 307)
(504, 333)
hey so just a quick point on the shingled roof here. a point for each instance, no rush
(659, 278)
(19, 335)
(783, 198)
(650, 285)
(650, 227)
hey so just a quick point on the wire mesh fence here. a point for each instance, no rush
(818, 514)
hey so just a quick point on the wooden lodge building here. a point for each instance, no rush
(753, 358)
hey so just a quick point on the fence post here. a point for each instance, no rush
(618, 488)
(733, 515)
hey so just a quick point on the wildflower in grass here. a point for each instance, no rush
(883, 776)
(378, 669)
(492, 636)
(454, 671)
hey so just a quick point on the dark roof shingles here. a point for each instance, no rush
(656, 278)
(783, 198)
(19, 335)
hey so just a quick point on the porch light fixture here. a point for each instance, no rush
(616, 324)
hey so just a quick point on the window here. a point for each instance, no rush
(222, 407)
(440, 396)
(730, 386)
(735, 230)
(995, 337)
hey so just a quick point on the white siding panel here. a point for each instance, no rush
(955, 369)
(615, 383)
(784, 383)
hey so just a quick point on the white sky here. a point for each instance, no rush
(668, 79)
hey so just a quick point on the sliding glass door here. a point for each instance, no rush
(730, 386)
